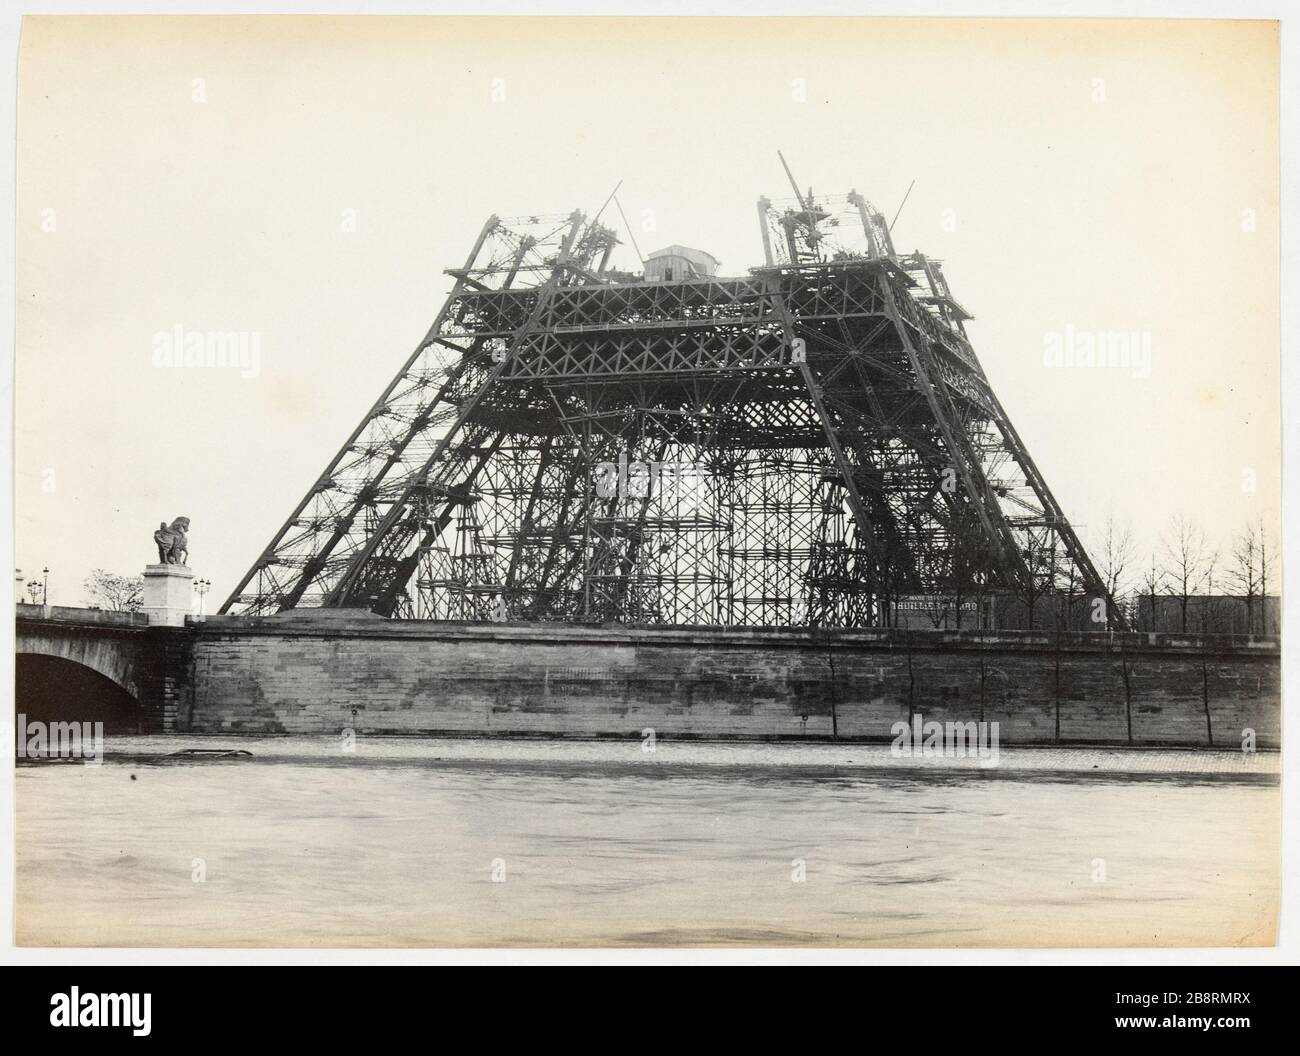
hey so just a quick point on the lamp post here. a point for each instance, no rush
(33, 589)
(202, 586)
(45, 586)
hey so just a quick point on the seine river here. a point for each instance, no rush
(433, 843)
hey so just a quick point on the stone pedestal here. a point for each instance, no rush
(168, 594)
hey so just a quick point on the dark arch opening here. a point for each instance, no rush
(52, 689)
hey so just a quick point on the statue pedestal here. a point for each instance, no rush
(168, 594)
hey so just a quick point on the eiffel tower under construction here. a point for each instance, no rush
(812, 444)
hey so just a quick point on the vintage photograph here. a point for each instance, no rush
(630, 482)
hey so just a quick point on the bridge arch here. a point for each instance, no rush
(69, 677)
(52, 689)
(116, 659)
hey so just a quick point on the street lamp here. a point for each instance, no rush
(202, 586)
(33, 589)
(45, 586)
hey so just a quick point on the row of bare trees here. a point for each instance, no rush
(1201, 582)
(1186, 584)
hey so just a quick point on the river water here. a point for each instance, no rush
(471, 843)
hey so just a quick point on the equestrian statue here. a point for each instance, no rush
(172, 541)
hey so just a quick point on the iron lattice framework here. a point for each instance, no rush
(801, 446)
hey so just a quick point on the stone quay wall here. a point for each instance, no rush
(324, 672)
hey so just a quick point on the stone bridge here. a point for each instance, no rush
(78, 664)
(319, 672)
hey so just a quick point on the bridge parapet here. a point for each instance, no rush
(74, 614)
(361, 624)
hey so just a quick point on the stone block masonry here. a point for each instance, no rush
(321, 673)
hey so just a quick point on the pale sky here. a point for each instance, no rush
(1086, 176)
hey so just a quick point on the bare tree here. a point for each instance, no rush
(1151, 587)
(1253, 560)
(1116, 556)
(1243, 574)
(1040, 568)
(936, 607)
(969, 564)
(1188, 559)
(1267, 561)
(1065, 613)
(1215, 614)
(108, 590)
